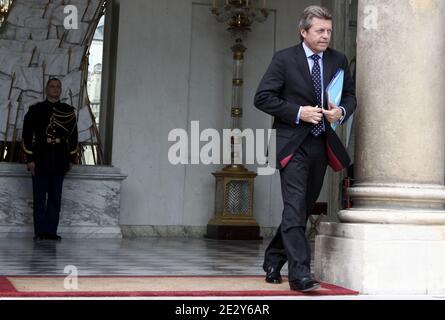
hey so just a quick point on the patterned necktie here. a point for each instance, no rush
(318, 129)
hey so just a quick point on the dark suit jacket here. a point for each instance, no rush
(287, 85)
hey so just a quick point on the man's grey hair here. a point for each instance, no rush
(312, 12)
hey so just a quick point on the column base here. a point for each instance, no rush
(393, 216)
(382, 259)
(398, 196)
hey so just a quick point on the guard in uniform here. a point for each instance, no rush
(50, 147)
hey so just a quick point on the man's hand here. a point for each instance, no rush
(333, 114)
(311, 114)
(31, 166)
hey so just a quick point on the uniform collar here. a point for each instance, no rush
(58, 101)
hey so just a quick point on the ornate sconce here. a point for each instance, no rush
(234, 184)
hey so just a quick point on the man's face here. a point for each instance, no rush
(53, 90)
(318, 37)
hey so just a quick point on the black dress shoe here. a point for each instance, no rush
(304, 284)
(273, 276)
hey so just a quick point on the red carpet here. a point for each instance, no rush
(154, 286)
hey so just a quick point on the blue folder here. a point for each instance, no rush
(334, 90)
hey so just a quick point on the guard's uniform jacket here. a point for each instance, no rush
(50, 137)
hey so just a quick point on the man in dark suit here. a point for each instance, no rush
(293, 92)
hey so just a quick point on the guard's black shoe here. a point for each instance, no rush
(305, 284)
(53, 237)
(273, 276)
(38, 237)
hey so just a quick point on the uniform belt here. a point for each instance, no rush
(53, 140)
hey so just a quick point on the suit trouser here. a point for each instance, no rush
(301, 183)
(47, 194)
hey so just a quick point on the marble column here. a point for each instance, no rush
(393, 239)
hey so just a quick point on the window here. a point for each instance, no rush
(35, 54)
(94, 85)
